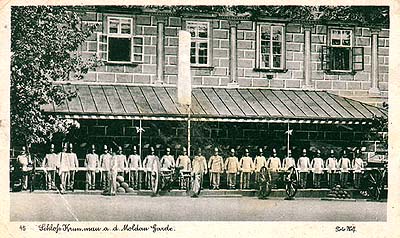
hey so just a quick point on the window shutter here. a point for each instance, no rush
(358, 58)
(102, 46)
(137, 49)
(326, 58)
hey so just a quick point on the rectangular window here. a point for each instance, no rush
(118, 44)
(270, 50)
(200, 43)
(340, 55)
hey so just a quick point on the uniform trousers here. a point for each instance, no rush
(105, 180)
(343, 179)
(303, 179)
(231, 180)
(134, 179)
(51, 179)
(148, 180)
(317, 180)
(71, 179)
(64, 180)
(245, 180)
(113, 182)
(331, 179)
(196, 180)
(357, 179)
(91, 178)
(215, 179)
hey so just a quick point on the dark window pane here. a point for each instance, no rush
(345, 42)
(276, 48)
(119, 49)
(277, 61)
(125, 28)
(192, 31)
(265, 60)
(202, 60)
(340, 58)
(335, 42)
(203, 45)
(203, 52)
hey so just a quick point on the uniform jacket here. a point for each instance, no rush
(121, 162)
(167, 161)
(232, 164)
(215, 164)
(134, 162)
(303, 164)
(184, 161)
(64, 162)
(259, 162)
(288, 162)
(92, 161)
(73, 161)
(246, 164)
(23, 161)
(51, 161)
(358, 165)
(344, 164)
(199, 164)
(105, 161)
(331, 164)
(274, 163)
(318, 165)
(148, 162)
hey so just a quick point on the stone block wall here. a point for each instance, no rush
(355, 86)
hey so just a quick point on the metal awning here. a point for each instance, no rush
(151, 102)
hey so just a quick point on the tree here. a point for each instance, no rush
(44, 41)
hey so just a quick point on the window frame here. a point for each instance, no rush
(271, 67)
(119, 35)
(198, 40)
(350, 48)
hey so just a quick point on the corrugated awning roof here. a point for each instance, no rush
(152, 102)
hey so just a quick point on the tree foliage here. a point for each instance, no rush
(44, 41)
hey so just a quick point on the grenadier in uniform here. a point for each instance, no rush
(63, 169)
(23, 161)
(155, 171)
(303, 164)
(288, 161)
(331, 166)
(259, 162)
(167, 161)
(344, 165)
(215, 166)
(274, 164)
(113, 175)
(73, 166)
(105, 164)
(92, 165)
(247, 168)
(183, 161)
(358, 166)
(232, 168)
(199, 167)
(51, 163)
(147, 164)
(317, 165)
(134, 163)
(121, 161)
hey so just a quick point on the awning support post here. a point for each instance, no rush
(288, 138)
(188, 131)
(140, 138)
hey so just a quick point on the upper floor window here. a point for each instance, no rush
(270, 50)
(200, 43)
(119, 45)
(340, 55)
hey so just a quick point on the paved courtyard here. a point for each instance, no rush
(84, 207)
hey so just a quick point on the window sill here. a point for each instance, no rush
(201, 67)
(334, 72)
(122, 63)
(270, 70)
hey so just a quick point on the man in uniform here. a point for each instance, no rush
(63, 169)
(358, 166)
(73, 166)
(274, 164)
(113, 175)
(232, 168)
(259, 162)
(247, 168)
(303, 164)
(331, 166)
(199, 165)
(344, 165)
(23, 161)
(91, 164)
(317, 165)
(288, 161)
(105, 164)
(215, 166)
(121, 162)
(183, 161)
(168, 161)
(147, 164)
(134, 164)
(50, 163)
